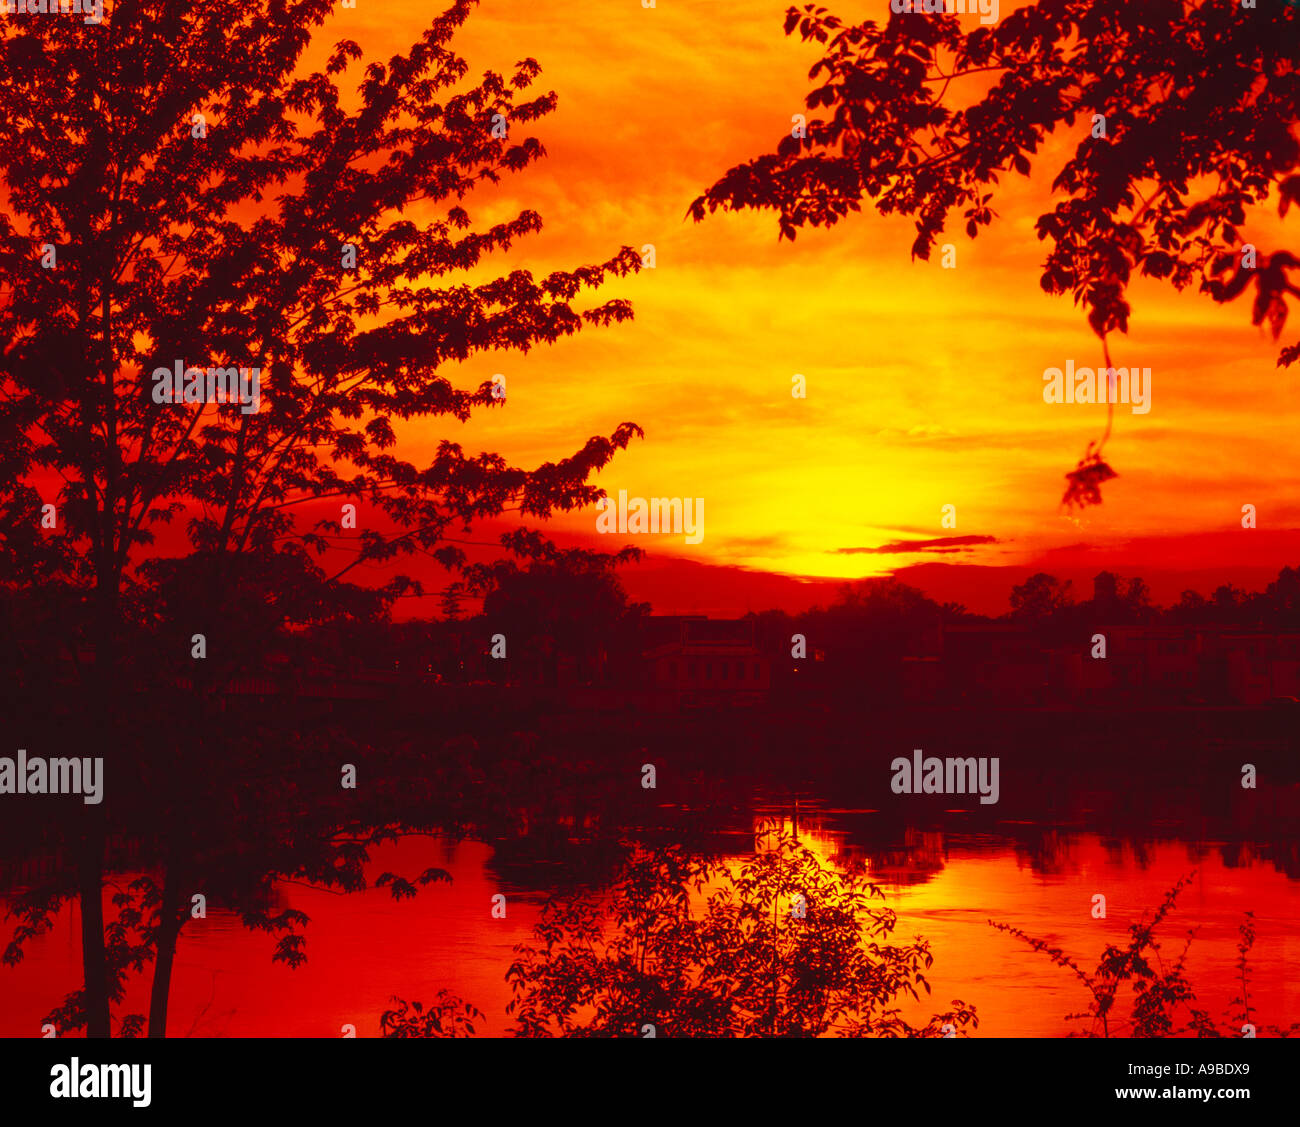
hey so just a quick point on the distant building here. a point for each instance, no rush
(1158, 665)
(1144, 664)
(1262, 666)
(998, 663)
(922, 680)
(1179, 665)
(705, 663)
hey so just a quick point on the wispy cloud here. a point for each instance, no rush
(941, 546)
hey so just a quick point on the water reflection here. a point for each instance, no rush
(945, 877)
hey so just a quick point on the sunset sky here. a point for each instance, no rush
(234, 759)
(924, 384)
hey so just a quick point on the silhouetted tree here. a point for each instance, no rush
(1118, 600)
(1161, 995)
(1283, 596)
(775, 944)
(1179, 118)
(573, 607)
(870, 627)
(449, 1016)
(1040, 598)
(189, 193)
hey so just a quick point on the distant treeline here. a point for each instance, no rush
(546, 614)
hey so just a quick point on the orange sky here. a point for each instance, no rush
(924, 384)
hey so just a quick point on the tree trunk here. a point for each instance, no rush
(169, 930)
(90, 866)
(90, 884)
(179, 861)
